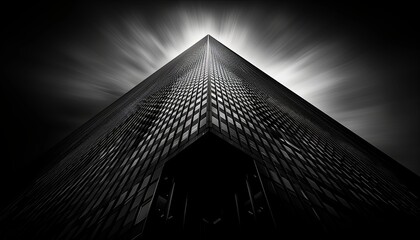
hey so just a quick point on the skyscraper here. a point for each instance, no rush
(209, 146)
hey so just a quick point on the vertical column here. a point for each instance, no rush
(208, 74)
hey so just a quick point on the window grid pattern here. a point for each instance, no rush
(107, 190)
(298, 164)
(110, 187)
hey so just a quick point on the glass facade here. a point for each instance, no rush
(283, 166)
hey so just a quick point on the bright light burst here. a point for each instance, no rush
(281, 45)
(129, 47)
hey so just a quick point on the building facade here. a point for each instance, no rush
(210, 146)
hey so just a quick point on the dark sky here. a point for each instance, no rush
(65, 61)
